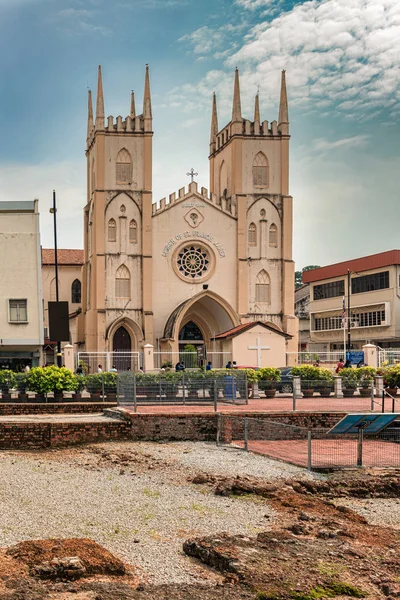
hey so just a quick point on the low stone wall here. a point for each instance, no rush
(51, 408)
(25, 436)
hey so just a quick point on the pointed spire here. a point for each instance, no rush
(133, 110)
(257, 109)
(283, 120)
(236, 109)
(214, 121)
(99, 102)
(90, 115)
(147, 97)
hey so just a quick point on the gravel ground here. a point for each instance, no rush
(142, 518)
(377, 511)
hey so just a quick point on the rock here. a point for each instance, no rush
(200, 478)
(67, 567)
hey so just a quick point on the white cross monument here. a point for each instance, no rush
(259, 349)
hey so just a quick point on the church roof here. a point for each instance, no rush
(245, 326)
(64, 257)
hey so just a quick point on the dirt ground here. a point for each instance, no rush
(312, 548)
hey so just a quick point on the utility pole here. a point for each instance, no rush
(348, 312)
(54, 211)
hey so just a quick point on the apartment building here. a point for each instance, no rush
(371, 286)
(21, 314)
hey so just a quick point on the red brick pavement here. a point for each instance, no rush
(279, 404)
(329, 453)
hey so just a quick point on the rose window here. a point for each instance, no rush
(193, 262)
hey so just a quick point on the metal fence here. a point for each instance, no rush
(389, 357)
(183, 388)
(123, 361)
(191, 360)
(323, 359)
(310, 448)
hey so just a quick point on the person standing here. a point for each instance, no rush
(229, 365)
(113, 369)
(99, 369)
(209, 366)
(339, 366)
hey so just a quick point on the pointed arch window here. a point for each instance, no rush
(260, 170)
(124, 167)
(76, 292)
(112, 230)
(273, 236)
(133, 232)
(123, 283)
(262, 287)
(252, 234)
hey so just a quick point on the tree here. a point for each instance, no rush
(298, 275)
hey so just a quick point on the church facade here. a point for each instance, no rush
(199, 263)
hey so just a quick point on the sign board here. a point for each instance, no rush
(59, 321)
(370, 423)
(355, 357)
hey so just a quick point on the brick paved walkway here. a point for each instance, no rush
(279, 404)
(329, 453)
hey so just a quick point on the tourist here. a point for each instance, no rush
(99, 369)
(113, 369)
(229, 365)
(79, 370)
(208, 366)
(179, 366)
(316, 364)
(340, 365)
(27, 368)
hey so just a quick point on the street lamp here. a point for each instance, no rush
(53, 211)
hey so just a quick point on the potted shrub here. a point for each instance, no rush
(325, 382)
(38, 381)
(7, 382)
(21, 385)
(61, 380)
(365, 377)
(110, 386)
(309, 376)
(391, 379)
(267, 378)
(80, 382)
(94, 385)
(349, 381)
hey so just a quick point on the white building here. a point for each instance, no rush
(21, 314)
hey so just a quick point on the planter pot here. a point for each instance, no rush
(326, 392)
(270, 393)
(6, 396)
(76, 397)
(111, 396)
(22, 397)
(95, 396)
(365, 392)
(58, 397)
(391, 391)
(308, 392)
(348, 392)
(39, 398)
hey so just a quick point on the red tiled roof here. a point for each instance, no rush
(244, 326)
(65, 257)
(366, 263)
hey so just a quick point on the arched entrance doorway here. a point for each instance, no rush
(122, 348)
(190, 335)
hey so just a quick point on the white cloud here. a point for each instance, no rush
(207, 40)
(356, 141)
(341, 54)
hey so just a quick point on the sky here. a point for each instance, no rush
(342, 61)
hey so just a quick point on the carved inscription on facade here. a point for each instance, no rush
(187, 235)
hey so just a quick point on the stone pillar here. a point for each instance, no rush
(379, 385)
(148, 358)
(69, 357)
(370, 355)
(297, 387)
(338, 386)
(255, 390)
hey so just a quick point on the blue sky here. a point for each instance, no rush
(343, 71)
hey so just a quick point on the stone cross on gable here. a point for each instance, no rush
(192, 174)
(259, 349)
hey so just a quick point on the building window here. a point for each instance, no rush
(370, 283)
(76, 292)
(133, 232)
(252, 234)
(18, 311)
(273, 236)
(124, 167)
(123, 283)
(262, 287)
(326, 323)
(260, 170)
(329, 290)
(369, 319)
(373, 318)
(112, 230)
